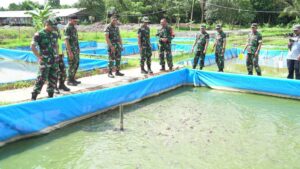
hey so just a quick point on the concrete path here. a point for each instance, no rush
(87, 84)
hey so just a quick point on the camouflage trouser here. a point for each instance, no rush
(114, 56)
(47, 71)
(250, 61)
(165, 47)
(146, 56)
(73, 66)
(61, 74)
(199, 55)
(220, 60)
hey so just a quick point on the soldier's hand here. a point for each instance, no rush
(113, 49)
(204, 52)
(39, 59)
(71, 56)
(256, 54)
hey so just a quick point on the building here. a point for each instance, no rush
(21, 18)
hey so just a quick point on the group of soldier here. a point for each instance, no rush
(52, 66)
(51, 62)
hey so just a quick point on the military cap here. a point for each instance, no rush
(73, 16)
(51, 21)
(145, 19)
(296, 27)
(218, 26)
(203, 26)
(254, 25)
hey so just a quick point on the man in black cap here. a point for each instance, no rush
(253, 47)
(73, 50)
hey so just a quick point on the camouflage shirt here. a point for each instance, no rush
(201, 39)
(46, 42)
(220, 39)
(165, 32)
(70, 33)
(144, 33)
(253, 42)
(113, 33)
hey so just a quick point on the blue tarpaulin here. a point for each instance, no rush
(31, 118)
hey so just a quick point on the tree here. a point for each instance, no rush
(14, 7)
(39, 16)
(54, 3)
(229, 11)
(25, 5)
(94, 8)
(292, 8)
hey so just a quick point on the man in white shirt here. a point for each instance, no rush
(293, 57)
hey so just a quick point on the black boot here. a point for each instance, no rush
(110, 74)
(63, 87)
(34, 96)
(71, 83)
(56, 90)
(258, 73)
(118, 73)
(250, 73)
(76, 81)
(149, 69)
(50, 95)
(163, 68)
(171, 69)
(143, 71)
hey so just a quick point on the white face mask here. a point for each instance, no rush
(59, 26)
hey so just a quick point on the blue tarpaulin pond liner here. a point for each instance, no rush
(86, 64)
(33, 118)
(210, 58)
(269, 58)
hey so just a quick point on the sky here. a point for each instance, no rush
(5, 3)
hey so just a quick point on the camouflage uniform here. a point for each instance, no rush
(253, 42)
(47, 44)
(165, 32)
(115, 38)
(220, 39)
(146, 53)
(71, 35)
(201, 39)
(61, 72)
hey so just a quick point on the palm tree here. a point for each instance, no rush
(292, 8)
(39, 16)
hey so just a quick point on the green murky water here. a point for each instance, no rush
(188, 128)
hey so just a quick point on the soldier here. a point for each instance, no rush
(45, 40)
(115, 46)
(253, 47)
(202, 40)
(220, 46)
(61, 74)
(145, 45)
(165, 35)
(72, 47)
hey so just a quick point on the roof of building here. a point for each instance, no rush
(57, 13)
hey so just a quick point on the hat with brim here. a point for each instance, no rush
(145, 19)
(51, 21)
(296, 27)
(254, 25)
(218, 27)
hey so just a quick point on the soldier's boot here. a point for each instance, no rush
(163, 68)
(56, 90)
(149, 69)
(110, 75)
(63, 87)
(76, 81)
(250, 73)
(171, 69)
(258, 73)
(71, 83)
(118, 73)
(34, 96)
(50, 94)
(143, 71)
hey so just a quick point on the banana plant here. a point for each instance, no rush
(39, 16)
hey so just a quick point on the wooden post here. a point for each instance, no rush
(121, 110)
